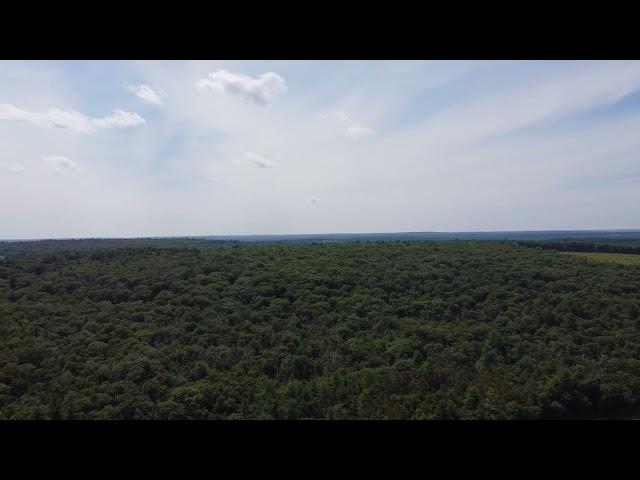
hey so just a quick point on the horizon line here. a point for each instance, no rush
(434, 232)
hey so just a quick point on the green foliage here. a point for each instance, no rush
(389, 330)
(622, 258)
(628, 245)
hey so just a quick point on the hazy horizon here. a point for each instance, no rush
(306, 234)
(134, 149)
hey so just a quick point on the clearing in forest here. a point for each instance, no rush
(622, 258)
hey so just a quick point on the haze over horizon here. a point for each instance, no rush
(540, 234)
(196, 148)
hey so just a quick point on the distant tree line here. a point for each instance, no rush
(584, 246)
(79, 246)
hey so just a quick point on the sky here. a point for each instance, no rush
(179, 148)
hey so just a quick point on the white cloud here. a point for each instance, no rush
(119, 119)
(12, 167)
(145, 93)
(70, 119)
(12, 113)
(337, 115)
(60, 164)
(261, 90)
(358, 131)
(258, 160)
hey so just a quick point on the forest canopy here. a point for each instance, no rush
(389, 330)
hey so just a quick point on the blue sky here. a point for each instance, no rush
(137, 148)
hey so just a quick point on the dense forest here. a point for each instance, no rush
(606, 246)
(388, 330)
(83, 245)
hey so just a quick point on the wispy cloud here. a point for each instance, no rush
(358, 131)
(145, 93)
(534, 101)
(261, 90)
(70, 119)
(60, 164)
(258, 160)
(12, 167)
(337, 115)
